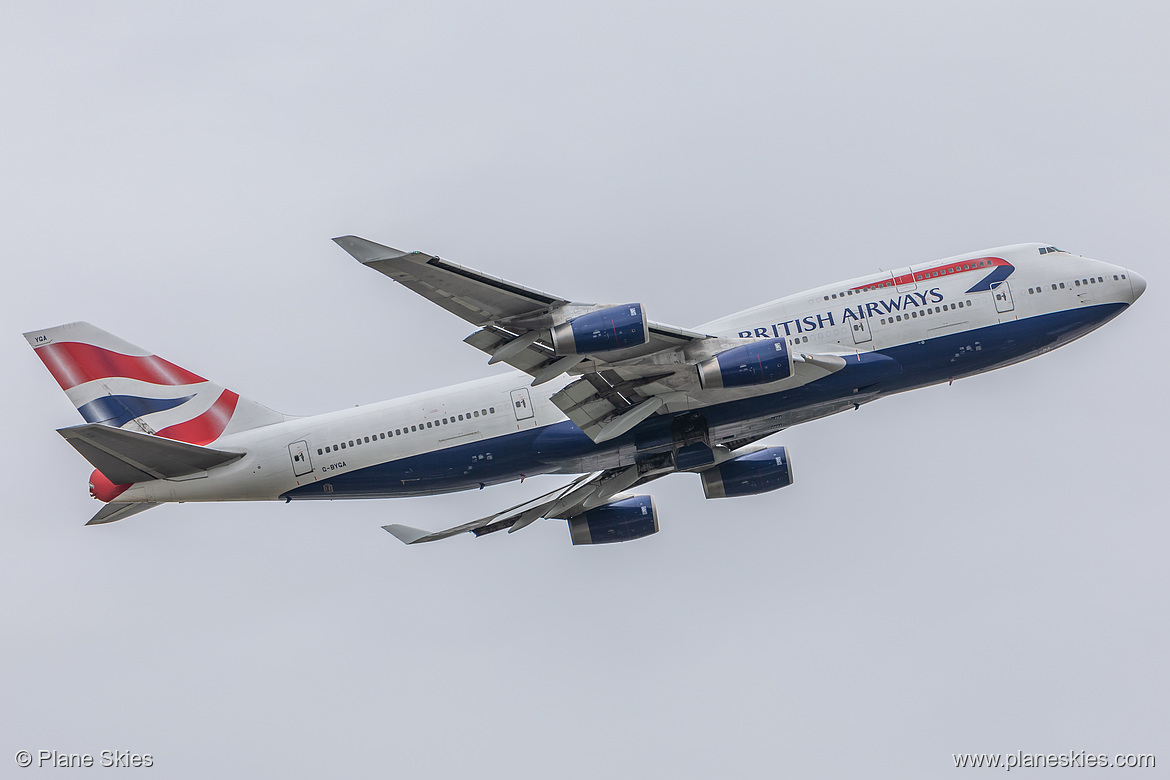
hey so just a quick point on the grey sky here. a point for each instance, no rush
(972, 568)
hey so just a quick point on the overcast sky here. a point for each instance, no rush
(974, 568)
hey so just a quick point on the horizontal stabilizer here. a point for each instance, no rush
(125, 457)
(112, 512)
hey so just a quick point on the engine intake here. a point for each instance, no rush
(752, 364)
(617, 521)
(749, 475)
(617, 327)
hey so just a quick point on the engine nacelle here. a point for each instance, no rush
(764, 361)
(748, 475)
(617, 521)
(617, 327)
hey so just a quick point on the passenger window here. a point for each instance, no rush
(414, 428)
(319, 452)
(1077, 282)
(477, 414)
(343, 445)
(492, 409)
(1062, 285)
(381, 436)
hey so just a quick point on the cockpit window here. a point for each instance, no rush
(1046, 249)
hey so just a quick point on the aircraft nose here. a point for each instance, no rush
(1137, 284)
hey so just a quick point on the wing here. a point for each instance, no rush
(478, 298)
(618, 387)
(625, 386)
(582, 494)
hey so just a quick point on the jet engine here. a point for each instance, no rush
(748, 475)
(752, 364)
(605, 330)
(618, 521)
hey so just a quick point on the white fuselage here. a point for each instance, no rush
(500, 428)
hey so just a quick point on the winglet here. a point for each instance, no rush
(367, 251)
(407, 534)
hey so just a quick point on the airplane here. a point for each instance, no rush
(599, 391)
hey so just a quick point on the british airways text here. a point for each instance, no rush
(859, 312)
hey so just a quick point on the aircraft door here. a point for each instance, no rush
(1003, 297)
(860, 330)
(522, 404)
(301, 463)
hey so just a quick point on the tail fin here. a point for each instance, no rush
(114, 383)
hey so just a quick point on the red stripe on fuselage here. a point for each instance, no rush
(208, 426)
(926, 274)
(72, 363)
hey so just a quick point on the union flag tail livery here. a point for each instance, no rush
(147, 418)
(114, 383)
(599, 391)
